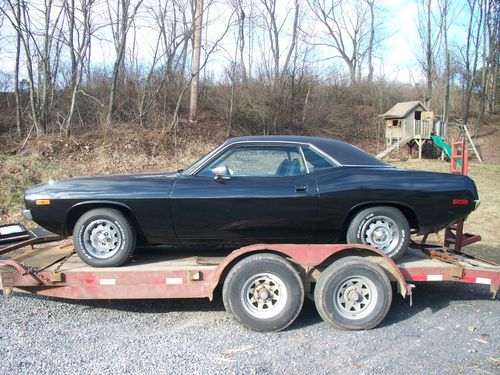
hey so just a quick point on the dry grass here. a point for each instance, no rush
(19, 172)
(486, 220)
(119, 150)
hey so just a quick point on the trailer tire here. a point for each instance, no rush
(353, 294)
(263, 292)
(104, 237)
(385, 228)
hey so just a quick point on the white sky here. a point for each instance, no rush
(396, 58)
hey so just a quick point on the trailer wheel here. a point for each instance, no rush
(104, 237)
(353, 294)
(263, 292)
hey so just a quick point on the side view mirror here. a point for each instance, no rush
(222, 174)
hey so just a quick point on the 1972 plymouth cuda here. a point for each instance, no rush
(262, 189)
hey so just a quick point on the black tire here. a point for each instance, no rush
(385, 222)
(110, 228)
(277, 278)
(366, 280)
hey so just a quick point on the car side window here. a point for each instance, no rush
(316, 162)
(259, 161)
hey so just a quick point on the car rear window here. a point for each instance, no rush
(316, 162)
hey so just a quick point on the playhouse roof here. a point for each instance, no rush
(400, 110)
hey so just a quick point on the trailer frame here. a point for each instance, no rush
(57, 271)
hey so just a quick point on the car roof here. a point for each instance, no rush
(344, 153)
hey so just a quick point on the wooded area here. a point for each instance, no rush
(281, 66)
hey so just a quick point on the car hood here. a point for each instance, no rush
(106, 186)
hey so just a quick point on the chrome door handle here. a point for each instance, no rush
(300, 188)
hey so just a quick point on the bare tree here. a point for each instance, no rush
(444, 12)
(346, 30)
(19, 117)
(429, 45)
(371, 40)
(174, 31)
(208, 54)
(49, 55)
(494, 54)
(121, 19)
(78, 18)
(471, 53)
(41, 45)
(240, 40)
(490, 45)
(274, 28)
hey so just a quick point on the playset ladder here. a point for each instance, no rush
(459, 158)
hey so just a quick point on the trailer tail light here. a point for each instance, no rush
(457, 202)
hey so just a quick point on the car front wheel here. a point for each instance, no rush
(104, 237)
(384, 228)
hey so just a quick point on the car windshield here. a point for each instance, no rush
(201, 161)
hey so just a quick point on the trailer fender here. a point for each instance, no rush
(312, 256)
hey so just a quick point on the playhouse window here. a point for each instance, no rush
(396, 123)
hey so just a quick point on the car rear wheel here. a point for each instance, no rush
(353, 293)
(263, 292)
(384, 228)
(104, 237)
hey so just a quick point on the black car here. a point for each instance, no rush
(263, 189)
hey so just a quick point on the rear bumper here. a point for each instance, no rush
(477, 203)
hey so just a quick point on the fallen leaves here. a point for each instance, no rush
(227, 355)
(481, 341)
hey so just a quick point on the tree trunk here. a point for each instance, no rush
(195, 68)
(428, 58)
(370, 41)
(485, 65)
(19, 118)
(444, 25)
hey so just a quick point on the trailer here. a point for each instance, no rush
(263, 286)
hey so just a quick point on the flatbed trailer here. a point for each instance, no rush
(263, 285)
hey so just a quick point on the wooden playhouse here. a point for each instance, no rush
(409, 123)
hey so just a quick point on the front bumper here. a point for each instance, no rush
(27, 215)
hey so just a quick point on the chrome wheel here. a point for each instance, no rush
(102, 238)
(264, 296)
(356, 297)
(381, 232)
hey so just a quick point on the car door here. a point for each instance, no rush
(264, 193)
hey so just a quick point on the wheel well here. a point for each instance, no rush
(405, 210)
(359, 252)
(76, 212)
(389, 269)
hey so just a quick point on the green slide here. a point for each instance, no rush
(444, 146)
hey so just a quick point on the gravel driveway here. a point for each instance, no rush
(450, 329)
